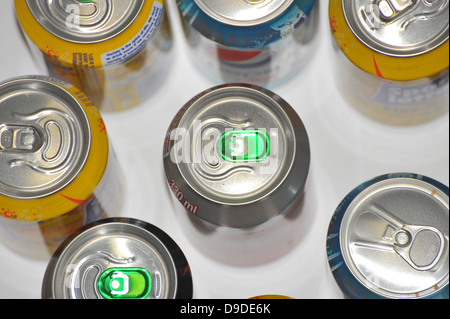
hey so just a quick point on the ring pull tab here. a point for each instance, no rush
(392, 9)
(19, 138)
(420, 246)
(44, 144)
(84, 13)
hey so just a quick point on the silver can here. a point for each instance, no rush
(260, 42)
(118, 258)
(389, 238)
(236, 157)
(57, 169)
(114, 51)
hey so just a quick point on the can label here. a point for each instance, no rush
(399, 103)
(414, 94)
(139, 40)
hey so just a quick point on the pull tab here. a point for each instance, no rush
(244, 146)
(84, 13)
(44, 144)
(420, 246)
(19, 138)
(391, 9)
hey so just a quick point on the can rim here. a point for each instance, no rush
(225, 17)
(60, 28)
(378, 46)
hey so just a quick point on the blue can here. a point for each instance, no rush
(388, 238)
(260, 42)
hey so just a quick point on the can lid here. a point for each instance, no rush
(243, 12)
(394, 237)
(246, 157)
(45, 138)
(86, 21)
(402, 28)
(118, 258)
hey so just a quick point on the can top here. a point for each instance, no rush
(118, 258)
(402, 28)
(394, 237)
(244, 145)
(45, 138)
(243, 12)
(86, 21)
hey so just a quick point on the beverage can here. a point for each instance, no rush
(236, 158)
(388, 238)
(117, 52)
(57, 168)
(386, 66)
(118, 258)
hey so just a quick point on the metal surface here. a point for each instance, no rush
(236, 193)
(82, 261)
(394, 237)
(399, 27)
(44, 138)
(85, 21)
(243, 12)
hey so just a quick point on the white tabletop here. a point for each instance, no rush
(347, 149)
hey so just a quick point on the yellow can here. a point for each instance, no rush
(57, 170)
(114, 51)
(393, 58)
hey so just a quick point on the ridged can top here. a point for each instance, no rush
(45, 138)
(85, 21)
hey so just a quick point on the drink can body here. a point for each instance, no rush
(229, 155)
(266, 51)
(397, 80)
(118, 258)
(59, 171)
(118, 53)
(388, 238)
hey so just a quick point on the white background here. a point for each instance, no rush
(347, 149)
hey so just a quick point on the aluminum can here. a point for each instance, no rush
(271, 297)
(118, 258)
(236, 158)
(388, 238)
(57, 168)
(386, 65)
(117, 52)
(262, 42)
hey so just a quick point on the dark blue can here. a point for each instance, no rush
(263, 42)
(389, 238)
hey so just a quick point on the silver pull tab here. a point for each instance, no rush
(391, 9)
(420, 246)
(19, 138)
(44, 143)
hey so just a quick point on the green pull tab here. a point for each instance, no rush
(125, 283)
(244, 146)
